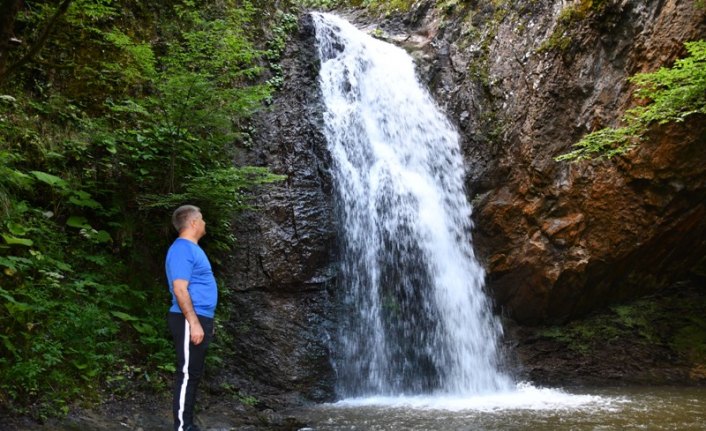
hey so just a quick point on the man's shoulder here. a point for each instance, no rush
(181, 246)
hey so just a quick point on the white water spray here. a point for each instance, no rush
(416, 320)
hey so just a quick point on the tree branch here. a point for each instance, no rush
(39, 44)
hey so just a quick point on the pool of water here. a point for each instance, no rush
(528, 408)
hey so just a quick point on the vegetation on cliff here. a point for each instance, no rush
(659, 338)
(384, 6)
(669, 95)
(112, 112)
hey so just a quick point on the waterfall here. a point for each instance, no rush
(415, 319)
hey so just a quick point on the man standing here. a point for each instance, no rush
(194, 298)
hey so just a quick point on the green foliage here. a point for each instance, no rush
(607, 142)
(217, 191)
(636, 318)
(581, 337)
(385, 6)
(674, 93)
(691, 339)
(670, 320)
(633, 322)
(448, 6)
(320, 4)
(247, 400)
(670, 95)
(57, 337)
(130, 110)
(377, 6)
(285, 24)
(560, 39)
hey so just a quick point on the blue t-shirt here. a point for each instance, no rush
(187, 261)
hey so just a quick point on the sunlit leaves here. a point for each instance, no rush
(673, 93)
(670, 95)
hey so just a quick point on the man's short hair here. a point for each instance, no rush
(182, 215)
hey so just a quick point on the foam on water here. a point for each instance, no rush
(524, 397)
(525, 408)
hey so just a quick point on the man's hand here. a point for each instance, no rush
(196, 332)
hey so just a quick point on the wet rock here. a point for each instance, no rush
(278, 283)
(560, 240)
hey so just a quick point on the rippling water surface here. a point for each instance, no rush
(528, 408)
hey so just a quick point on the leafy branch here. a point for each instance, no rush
(670, 94)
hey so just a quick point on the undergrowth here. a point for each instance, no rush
(673, 320)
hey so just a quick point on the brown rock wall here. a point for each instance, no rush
(561, 239)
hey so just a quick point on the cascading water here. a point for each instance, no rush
(416, 319)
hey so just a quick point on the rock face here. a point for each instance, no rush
(522, 83)
(279, 281)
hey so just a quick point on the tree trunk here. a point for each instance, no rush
(8, 13)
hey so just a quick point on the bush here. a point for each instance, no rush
(130, 110)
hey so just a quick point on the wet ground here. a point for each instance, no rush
(154, 414)
(529, 408)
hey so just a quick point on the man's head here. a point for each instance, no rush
(188, 219)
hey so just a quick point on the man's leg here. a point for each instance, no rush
(189, 369)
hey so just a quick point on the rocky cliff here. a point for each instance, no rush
(522, 81)
(281, 275)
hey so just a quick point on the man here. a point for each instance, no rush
(190, 318)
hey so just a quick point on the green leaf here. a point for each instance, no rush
(167, 367)
(7, 99)
(50, 179)
(102, 236)
(78, 222)
(15, 307)
(79, 365)
(144, 328)
(671, 95)
(83, 199)
(124, 316)
(8, 345)
(16, 229)
(13, 240)
(7, 263)
(5, 294)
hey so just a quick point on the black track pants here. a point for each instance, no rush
(189, 367)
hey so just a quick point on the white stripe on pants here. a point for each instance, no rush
(185, 369)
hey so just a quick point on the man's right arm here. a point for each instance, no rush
(187, 308)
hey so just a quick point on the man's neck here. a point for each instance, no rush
(189, 237)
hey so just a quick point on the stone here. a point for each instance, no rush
(281, 274)
(558, 240)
